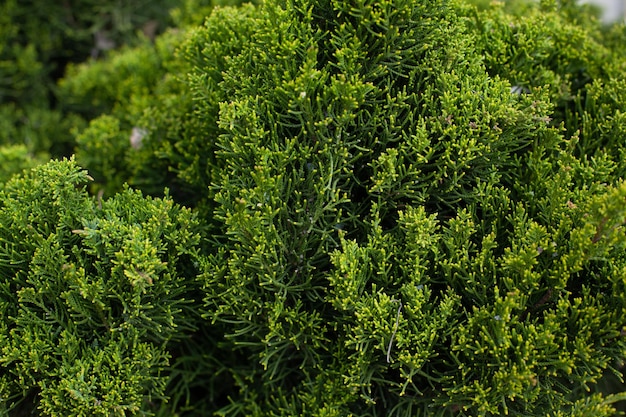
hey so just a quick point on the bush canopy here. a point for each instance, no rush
(329, 208)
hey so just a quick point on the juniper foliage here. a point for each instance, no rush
(95, 295)
(410, 208)
(380, 252)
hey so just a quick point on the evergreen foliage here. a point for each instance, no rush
(15, 159)
(96, 296)
(382, 256)
(143, 91)
(399, 208)
(39, 38)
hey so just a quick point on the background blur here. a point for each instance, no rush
(613, 10)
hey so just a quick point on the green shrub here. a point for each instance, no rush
(410, 208)
(403, 232)
(15, 159)
(122, 89)
(96, 295)
(39, 38)
(158, 107)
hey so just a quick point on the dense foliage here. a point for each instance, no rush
(395, 208)
(94, 294)
(39, 39)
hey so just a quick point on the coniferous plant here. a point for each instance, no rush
(410, 208)
(39, 40)
(96, 296)
(404, 233)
